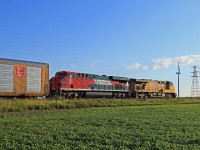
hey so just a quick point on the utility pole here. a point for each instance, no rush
(195, 84)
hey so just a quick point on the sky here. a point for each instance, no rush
(130, 38)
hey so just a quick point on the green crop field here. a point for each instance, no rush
(129, 127)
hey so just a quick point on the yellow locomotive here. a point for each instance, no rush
(147, 88)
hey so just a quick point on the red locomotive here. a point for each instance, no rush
(73, 84)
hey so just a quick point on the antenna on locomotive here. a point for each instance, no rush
(178, 73)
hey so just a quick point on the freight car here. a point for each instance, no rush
(20, 78)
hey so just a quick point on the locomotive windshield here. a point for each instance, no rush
(61, 74)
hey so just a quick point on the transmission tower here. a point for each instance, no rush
(195, 84)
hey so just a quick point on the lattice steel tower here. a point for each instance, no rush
(195, 84)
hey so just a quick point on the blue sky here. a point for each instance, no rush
(131, 38)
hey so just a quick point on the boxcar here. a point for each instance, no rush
(23, 78)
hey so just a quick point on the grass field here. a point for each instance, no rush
(19, 105)
(129, 127)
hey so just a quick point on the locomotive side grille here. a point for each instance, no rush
(6, 78)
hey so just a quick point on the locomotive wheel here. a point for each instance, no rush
(146, 97)
(114, 95)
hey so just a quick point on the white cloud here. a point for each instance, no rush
(161, 63)
(94, 63)
(155, 67)
(167, 62)
(187, 60)
(137, 66)
(73, 66)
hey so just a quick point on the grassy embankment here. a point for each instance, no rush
(51, 104)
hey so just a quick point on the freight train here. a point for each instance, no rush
(19, 78)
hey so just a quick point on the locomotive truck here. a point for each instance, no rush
(19, 78)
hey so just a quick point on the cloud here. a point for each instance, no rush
(188, 60)
(162, 63)
(137, 66)
(73, 66)
(167, 62)
(155, 67)
(94, 63)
